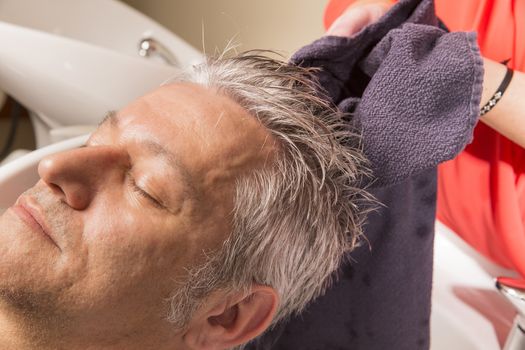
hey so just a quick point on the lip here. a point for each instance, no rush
(31, 213)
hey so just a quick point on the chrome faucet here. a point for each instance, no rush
(151, 47)
(514, 291)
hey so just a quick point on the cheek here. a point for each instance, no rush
(133, 242)
(130, 260)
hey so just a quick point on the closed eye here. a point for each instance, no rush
(142, 192)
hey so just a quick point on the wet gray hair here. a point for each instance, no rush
(294, 220)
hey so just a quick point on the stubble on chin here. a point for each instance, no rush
(35, 316)
(29, 303)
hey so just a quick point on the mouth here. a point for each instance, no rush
(32, 214)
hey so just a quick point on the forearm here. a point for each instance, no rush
(508, 116)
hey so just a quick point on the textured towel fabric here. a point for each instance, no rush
(415, 92)
(408, 78)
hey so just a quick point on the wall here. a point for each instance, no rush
(281, 25)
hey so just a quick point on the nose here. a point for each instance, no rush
(78, 175)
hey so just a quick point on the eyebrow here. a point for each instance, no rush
(153, 147)
(110, 117)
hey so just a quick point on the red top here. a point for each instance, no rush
(481, 193)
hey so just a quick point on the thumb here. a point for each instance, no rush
(355, 18)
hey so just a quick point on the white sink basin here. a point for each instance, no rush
(70, 61)
(106, 23)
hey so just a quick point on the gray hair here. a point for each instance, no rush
(294, 220)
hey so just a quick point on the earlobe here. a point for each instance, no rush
(228, 322)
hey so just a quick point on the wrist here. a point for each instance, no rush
(499, 92)
(495, 74)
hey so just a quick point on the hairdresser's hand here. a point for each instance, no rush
(359, 15)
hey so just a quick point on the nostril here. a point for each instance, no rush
(56, 189)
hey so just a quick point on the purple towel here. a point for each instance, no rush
(414, 89)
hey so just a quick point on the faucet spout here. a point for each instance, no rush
(151, 47)
(514, 291)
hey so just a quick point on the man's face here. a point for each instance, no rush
(128, 214)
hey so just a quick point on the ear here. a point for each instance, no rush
(227, 321)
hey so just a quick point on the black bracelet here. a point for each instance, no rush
(499, 92)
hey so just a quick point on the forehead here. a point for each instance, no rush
(211, 133)
(191, 110)
(185, 105)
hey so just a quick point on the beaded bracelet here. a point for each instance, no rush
(499, 92)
